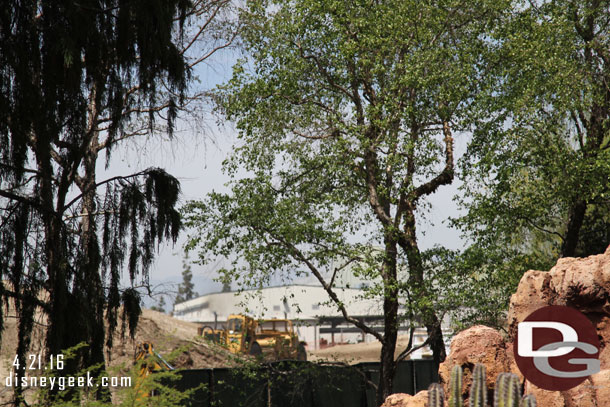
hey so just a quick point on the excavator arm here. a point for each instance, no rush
(150, 362)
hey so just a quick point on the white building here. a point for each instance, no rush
(319, 322)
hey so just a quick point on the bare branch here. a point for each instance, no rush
(19, 198)
(410, 349)
(217, 7)
(214, 50)
(298, 255)
(337, 269)
(12, 167)
(446, 176)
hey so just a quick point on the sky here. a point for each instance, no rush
(195, 157)
(196, 160)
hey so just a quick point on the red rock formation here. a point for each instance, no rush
(583, 284)
(478, 344)
(406, 400)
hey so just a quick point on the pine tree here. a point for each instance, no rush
(160, 306)
(186, 288)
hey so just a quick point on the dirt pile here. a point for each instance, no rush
(172, 338)
(175, 340)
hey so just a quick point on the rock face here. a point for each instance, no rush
(601, 385)
(478, 344)
(583, 284)
(406, 400)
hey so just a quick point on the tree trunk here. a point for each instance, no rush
(575, 221)
(437, 344)
(90, 288)
(416, 280)
(60, 312)
(387, 368)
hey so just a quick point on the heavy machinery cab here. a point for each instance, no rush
(239, 331)
(245, 335)
(275, 325)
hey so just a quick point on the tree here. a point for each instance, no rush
(226, 282)
(347, 120)
(160, 306)
(186, 288)
(538, 169)
(76, 79)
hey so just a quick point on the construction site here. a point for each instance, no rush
(217, 358)
(304, 203)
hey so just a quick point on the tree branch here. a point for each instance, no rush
(20, 198)
(532, 224)
(214, 50)
(118, 177)
(298, 255)
(217, 7)
(410, 349)
(337, 269)
(370, 159)
(446, 176)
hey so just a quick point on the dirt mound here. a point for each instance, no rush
(175, 340)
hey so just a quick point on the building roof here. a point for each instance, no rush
(306, 302)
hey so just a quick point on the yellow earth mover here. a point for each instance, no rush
(149, 362)
(273, 339)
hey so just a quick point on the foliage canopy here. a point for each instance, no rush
(346, 113)
(538, 167)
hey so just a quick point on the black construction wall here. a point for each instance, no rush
(300, 384)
